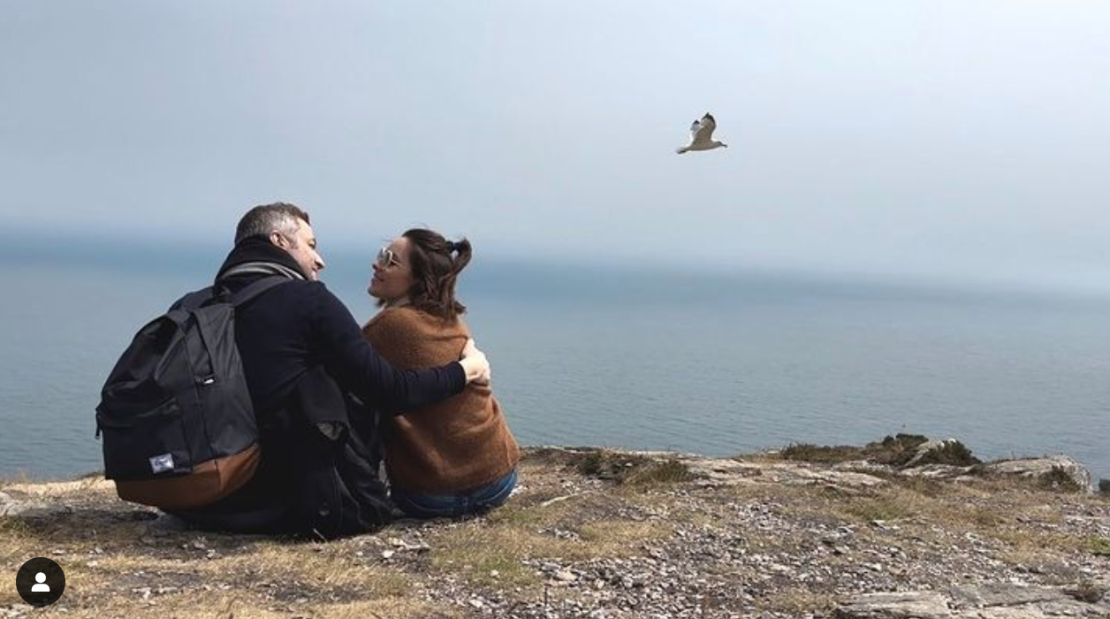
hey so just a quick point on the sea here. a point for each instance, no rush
(627, 357)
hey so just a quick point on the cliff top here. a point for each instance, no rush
(804, 532)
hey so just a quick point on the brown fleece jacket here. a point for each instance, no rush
(458, 444)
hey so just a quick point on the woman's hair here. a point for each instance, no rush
(435, 263)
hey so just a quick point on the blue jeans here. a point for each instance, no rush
(451, 505)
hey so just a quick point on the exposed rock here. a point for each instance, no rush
(751, 537)
(28, 508)
(60, 488)
(728, 472)
(909, 605)
(7, 505)
(1051, 470)
(903, 454)
(990, 601)
(1055, 472)
(565, 576)
(1091, 592)
(1002, 594)
(948, 451)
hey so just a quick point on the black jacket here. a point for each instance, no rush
(301, 350)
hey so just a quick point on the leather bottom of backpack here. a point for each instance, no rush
(207, 483)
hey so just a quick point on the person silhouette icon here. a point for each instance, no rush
(31, 582)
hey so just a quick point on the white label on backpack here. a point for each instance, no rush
(161, 463)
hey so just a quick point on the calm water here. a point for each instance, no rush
(640, 360)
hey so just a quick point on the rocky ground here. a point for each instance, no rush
(603, 534)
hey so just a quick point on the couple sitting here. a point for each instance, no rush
(330, 397)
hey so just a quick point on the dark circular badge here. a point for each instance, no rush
(40, 582)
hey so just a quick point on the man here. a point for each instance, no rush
(301, 350)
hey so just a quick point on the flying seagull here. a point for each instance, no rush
(701, 135)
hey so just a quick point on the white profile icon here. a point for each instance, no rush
(42, 587)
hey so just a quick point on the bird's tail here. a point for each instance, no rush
(681, 150)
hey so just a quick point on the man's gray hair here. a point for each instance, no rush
(262, 220)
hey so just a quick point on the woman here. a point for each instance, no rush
(458, 456)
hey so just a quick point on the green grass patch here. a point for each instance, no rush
(821, 454)
(487, 569)
(1058, 479)
(895, 451)
(879, 508)
(1100, 546)
(924, 486)
(632, 469)
(14, 526)
(532, 515)
(669, 471)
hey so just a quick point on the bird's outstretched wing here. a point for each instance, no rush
(701, 132)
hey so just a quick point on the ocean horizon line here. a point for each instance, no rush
(532, 274)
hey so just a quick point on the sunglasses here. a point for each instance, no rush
(387, 258)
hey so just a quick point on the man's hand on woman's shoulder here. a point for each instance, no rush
(475, 364)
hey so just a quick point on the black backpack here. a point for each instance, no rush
(176, 416)
(319, 473)
(329, 454)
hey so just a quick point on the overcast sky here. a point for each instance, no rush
(956, 138)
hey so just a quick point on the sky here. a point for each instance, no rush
(963, 139)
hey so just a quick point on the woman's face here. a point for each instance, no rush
(392, 272)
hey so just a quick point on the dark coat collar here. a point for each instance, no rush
(258, 249)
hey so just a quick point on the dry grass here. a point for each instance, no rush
(798, 602)
(17, 544)
(998, 511)
(325, 571)
(243, 606)
(579, 528)
(265, 576)
(113, 568)
(576, 506)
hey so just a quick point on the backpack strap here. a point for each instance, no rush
(191, 302)
(256, 288)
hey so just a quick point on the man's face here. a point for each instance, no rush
(303, 249)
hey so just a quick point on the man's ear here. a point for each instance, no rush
(278, 239)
